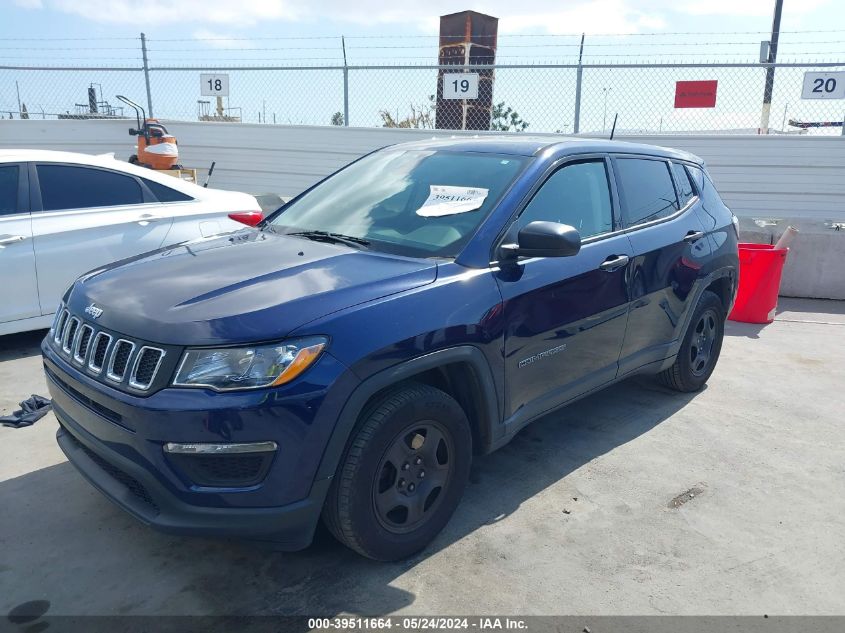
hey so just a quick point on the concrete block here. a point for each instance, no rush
(813, 266)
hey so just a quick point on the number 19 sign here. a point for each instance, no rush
(214, 85)
(823, 85)
(460, 85)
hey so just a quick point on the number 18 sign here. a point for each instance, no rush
(460, 85)
(214, 85)
(823, 85)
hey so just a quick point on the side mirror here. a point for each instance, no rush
(544, 239)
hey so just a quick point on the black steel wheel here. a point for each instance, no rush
(700, 347)
(403, 473)
(413, 473)
(702, 341)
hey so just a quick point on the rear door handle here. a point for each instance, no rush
(11, 239)
(693, 236)
(146, 218)
(614, 262)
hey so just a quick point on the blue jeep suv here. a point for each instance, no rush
(349, 356)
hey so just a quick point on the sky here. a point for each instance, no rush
(291, 32)
(216, 20)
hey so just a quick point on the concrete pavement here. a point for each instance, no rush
(636, 500)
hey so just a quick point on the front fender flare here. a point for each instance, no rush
(489, 410)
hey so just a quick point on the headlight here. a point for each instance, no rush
(229, 369)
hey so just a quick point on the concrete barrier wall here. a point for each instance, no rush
(769, 181)
(768, 176)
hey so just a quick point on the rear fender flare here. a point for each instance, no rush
(701, 285)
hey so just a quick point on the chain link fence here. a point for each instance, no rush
(565, 98)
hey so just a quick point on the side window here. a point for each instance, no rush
(685, 190)
(578, 195)
(647, 189)
(66, 187)
(9, 189)
(164, 193)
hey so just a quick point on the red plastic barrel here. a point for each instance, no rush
(760, 269)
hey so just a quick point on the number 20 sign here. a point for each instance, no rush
(823, 85)
(214, 85)
(460, 85)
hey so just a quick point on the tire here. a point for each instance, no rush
(402, 475)
(700, 348)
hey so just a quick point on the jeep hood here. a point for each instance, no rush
(243, 287)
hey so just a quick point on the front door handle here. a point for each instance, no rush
(11, 239)
(693, 236)
(614, 262)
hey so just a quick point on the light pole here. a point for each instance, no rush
(605, 90)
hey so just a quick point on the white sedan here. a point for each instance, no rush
(63, 214)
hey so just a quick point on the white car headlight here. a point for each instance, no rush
(234, 368)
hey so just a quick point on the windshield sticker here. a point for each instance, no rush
(448, 200)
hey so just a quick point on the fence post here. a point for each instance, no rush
(576, 126)
(345, 84)
(146, 74)
(770, 70)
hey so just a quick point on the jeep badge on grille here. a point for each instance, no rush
(93, 311)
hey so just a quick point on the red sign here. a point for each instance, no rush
(695, 94)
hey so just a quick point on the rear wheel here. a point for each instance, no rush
(700, 348)
(403, 473)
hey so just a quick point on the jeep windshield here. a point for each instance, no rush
(420, 203)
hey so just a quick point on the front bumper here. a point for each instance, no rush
(291, 527)
(116, 441)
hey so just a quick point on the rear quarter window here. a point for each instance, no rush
(705, 187)
(647, 188)
(685, 188)
(163, 193)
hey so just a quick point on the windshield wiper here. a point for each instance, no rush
(326, 236)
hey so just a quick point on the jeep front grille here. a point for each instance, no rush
(61, 324)
(98, 356)
(82, 342)
(146, 367)
(118, 360)
(69, 335)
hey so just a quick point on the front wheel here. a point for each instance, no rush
(403, 473)
(700, 348)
